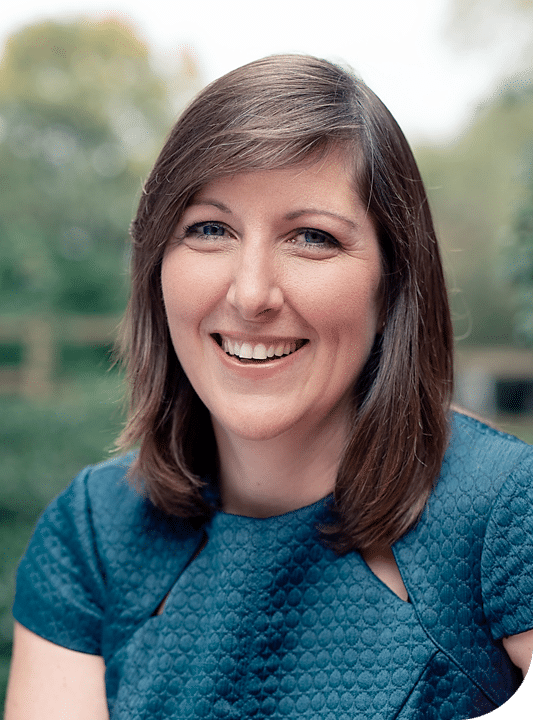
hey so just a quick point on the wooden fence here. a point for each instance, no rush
(40, 338)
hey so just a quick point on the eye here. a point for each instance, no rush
(205, 229)
(316, 239)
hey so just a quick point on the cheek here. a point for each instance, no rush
(190, 288)
(347, 309)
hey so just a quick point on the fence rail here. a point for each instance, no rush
(40, 338)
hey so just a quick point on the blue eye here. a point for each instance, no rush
(206, 229)
(315, 237)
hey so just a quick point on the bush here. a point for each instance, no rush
(45, 445)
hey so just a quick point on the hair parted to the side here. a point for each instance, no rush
(274, 113)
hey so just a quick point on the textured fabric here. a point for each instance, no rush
(266, 622)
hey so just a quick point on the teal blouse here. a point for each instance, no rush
(267, 622)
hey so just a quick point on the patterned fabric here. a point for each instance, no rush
(266, 622)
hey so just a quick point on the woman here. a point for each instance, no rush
(316, 533)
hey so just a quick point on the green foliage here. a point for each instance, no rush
(519, 258)
(477, 187)
(492, 159)
(45, 444)
(82, 116)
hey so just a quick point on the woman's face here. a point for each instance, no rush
(271, 289)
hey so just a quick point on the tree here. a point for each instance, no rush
(519, 263)
(82, 115)
(476, 186)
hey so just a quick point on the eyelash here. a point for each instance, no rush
(328, 243)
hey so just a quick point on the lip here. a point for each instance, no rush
(257, 351)
(253, 366)
(256, 339)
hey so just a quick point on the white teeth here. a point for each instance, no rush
(247, 351)
(290, 348)
(227, 346)
(260, 352)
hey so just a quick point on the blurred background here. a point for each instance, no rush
(87, 95)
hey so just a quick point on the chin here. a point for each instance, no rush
(257, 428)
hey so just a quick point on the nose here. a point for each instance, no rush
(255, 288)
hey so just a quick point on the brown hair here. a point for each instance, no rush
(268, 114)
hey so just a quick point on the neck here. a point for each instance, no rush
(263, 478)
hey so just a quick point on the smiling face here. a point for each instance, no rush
(271, 289)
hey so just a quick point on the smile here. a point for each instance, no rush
(259, 352)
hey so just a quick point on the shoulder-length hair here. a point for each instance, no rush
(275, 113)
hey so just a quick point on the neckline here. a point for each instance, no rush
(323, 505)
(211, 494)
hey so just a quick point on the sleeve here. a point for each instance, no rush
(60, 585)
(507, 558)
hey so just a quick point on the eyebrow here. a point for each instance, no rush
(201, 201)
(317, 211)
(294, 215)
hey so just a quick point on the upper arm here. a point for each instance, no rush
(520, 649)
(507, 562)
(50, 681)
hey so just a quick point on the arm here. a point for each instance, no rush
(520, 649)
(50, 681)
(507, 563)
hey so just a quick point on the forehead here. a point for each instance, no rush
(321, 174)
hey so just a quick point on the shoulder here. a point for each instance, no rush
(108, 481)
(480, 467)
(469, 433)
(97, 500)
(483, 469)
(468, 555)
(107, 492)
(99, 549)
(61, 580)
(119, 513)
(480, 459)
